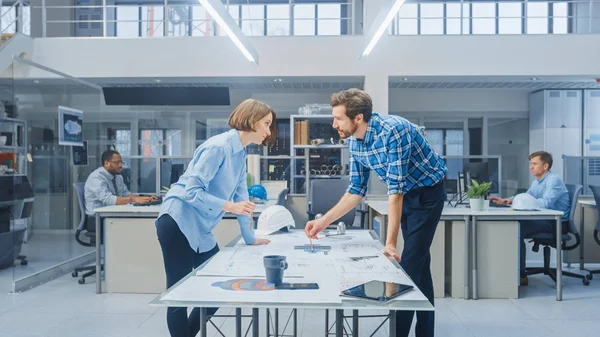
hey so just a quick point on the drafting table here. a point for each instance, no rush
(194, 297)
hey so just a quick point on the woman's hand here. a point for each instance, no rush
(243, 207)
(260, 241)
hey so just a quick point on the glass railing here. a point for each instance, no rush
(15, 18)
(497, 17)
(583, 171)
(175, 19)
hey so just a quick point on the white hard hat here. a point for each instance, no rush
(525, 202)
(273, 219)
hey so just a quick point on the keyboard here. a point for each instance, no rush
(493, 204)
(151, 203)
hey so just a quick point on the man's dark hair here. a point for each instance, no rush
(545, 157)
(356, 101)
(107, 155)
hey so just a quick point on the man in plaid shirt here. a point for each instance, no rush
(396, 151)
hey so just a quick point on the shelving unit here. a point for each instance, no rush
(303, 129)
(15, 146)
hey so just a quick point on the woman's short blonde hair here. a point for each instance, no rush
(248, 113)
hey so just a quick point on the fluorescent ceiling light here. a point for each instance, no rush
(383, 26)
(219, 13)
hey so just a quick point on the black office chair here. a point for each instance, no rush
(324, 194)
(282, 197)
(88, 229)
(596, 192)
(548, 240)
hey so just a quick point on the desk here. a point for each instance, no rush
(586, 204)
(193, 296)
(130, 224)
(470, 241)
(508, 214)
(438, 246)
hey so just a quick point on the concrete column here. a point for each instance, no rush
(376, 85)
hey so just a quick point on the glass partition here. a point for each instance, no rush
(41, 154)
(582, 171)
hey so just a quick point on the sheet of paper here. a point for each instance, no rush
(233, 289)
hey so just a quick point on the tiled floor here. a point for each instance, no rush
(43, 250)
(64, 308)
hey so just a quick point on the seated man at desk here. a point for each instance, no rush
(105, 186)
(550, 193)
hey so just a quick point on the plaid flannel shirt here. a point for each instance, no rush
(395, 149)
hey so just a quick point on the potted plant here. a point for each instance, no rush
(477, 193)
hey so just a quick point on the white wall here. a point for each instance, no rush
(324, 56)
(476, 103)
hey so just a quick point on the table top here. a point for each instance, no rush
(380, 206)
(304, 266)
(153, 210)
(587, 202)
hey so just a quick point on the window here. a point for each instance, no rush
(484, 18)
(407, 23)
(329, 19)
(560, 17)
(448, 142)
(537, 18)
(123, 142)
(253, 20)
(304, 19)
(453, 18)
(432, 18)
(128, 21)
(510, 18)
(152, 24)
(278, 20)
(160, 142)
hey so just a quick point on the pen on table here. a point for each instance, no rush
(311, 246)
(357, 258)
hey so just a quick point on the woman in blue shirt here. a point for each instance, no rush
(213, 184)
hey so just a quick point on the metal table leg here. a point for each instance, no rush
(558, 259)
(255, 322)
(238, 322)
(339, 323)
(467, 256)
(354, 323)
(474, 256)
(392, 319)
(203, 319)
(581, 229)
(98, 255)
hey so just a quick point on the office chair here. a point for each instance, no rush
(549, 240)
(324, 194)
(596, 192)
(90, 231)
(282, 197)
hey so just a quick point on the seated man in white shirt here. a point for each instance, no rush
(105, 186)
(550, 192)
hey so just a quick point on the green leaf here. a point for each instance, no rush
(478, 190)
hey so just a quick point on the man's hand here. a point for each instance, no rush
(500, 201)
(242, 208)
(391, 251)
(260, 241)
(314, 227)
(142, 199)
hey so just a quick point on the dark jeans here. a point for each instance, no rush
(421, 212)
(527, 229)
(180, 259)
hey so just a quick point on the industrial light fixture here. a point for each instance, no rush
(383, 26)
(219, 13)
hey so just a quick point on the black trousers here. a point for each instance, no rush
(180, 259)
(421, 212)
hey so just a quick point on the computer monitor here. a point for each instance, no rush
(80, 157)
(176, 172)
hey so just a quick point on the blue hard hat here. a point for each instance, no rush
(257, 191)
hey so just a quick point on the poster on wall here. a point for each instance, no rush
(70, 126)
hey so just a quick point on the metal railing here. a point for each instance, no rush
(14, 24)
(140, 20)
(474, 17)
